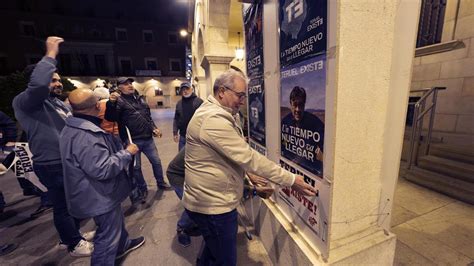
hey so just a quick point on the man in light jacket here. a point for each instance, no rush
(217, 158)
(96, 180)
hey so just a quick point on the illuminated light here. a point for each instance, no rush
(239, 54)
(183, 33)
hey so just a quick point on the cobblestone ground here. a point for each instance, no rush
(156, 220)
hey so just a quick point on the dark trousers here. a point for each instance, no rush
(148, 147)
(111, 237)
(220, 237)
(51, 176)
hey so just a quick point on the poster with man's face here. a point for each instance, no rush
(302, 113)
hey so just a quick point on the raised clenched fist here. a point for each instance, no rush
(52, 46)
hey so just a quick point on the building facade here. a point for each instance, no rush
(103, 39)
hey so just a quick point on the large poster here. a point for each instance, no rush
(302, 30)
(302, 109)
(302, 113)
(253, 23)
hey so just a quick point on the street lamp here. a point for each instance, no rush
(183, 33)
(239, 51)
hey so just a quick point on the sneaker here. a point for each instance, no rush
(7, 249)
(164, 186)
(41, 209)
(134, 244)
(82, 249)
(183, 238)
(88, 236)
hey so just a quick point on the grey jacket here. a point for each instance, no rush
(94, 163)
(41, 116)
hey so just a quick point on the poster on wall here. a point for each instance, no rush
(302, 106)
(303, 73)
(253, 24)
(302, 30)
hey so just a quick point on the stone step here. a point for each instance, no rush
(447, 167)
(454, 152)
(455, 188)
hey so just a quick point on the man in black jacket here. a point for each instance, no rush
(185, 109)
(131, 111)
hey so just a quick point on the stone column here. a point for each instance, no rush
(213, 66)
(370, 52)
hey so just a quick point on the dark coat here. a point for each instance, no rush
(94, 165)
(133, 112)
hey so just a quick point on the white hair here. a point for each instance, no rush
(101, 93)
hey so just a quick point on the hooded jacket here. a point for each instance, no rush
(41, 116)
(94, 165)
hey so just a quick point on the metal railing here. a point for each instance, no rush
(417, 126)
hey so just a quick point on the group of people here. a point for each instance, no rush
(90, 168)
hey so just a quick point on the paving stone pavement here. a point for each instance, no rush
(156, 220)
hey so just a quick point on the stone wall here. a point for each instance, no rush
(452, 69)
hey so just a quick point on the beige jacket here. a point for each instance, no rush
(217, 158)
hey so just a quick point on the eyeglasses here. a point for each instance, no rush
(241, 95)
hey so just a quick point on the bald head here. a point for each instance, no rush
(83, 101)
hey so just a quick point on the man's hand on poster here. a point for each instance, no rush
(319, 154)
(176, 138)
(302, 187)
(264, 192)
(10, 144)
(257, 180)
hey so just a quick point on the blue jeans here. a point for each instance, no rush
(51, 176)
(182, 142)
(184, 221)
(111, 237)
(147, 146)
(220, 237)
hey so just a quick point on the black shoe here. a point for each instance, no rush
(165, 186)
(7, 249)
(183, 238)
(134, 244)
(41, 209)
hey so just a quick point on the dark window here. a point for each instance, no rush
(151, 65)
(126, 66)
(121, 35)
(100, 65)
(28, 29)
(33, 60)
(177, 90)
(147, 36)
(172, 38)
(84, 66)
(3, 65)
(175, 65)
(430, 27)
(65, 64)
(158, 92)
